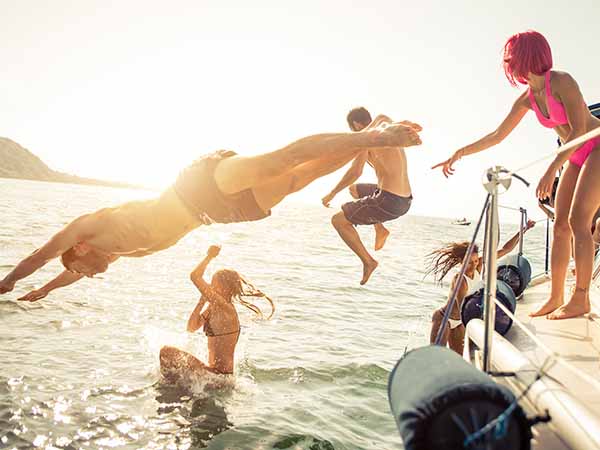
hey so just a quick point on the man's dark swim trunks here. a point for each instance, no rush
(197, 189)
(375, 206)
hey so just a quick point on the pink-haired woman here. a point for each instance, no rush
(558, 103)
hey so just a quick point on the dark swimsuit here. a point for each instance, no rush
(197, 189)
(210, 333)
(375, 205)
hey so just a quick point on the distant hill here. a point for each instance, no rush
(18, 162)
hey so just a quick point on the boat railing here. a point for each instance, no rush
(493, 178)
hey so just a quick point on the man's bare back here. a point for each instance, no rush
(139, 228)
(391, 169)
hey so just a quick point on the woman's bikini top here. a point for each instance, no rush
(556, 110)
(208, 331)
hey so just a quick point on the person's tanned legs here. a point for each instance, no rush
(238, 173)
(272, 192)
(381, 232)
(350, 236)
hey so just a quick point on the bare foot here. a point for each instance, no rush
(413, 125)
(547, 307)
(380, 238)
(578, 305)
(368, 270)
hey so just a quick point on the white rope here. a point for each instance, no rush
(563, 148)
(508, 207)
(555, 356)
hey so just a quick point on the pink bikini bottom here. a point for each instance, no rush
(579, 156)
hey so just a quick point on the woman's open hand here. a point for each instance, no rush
(446, 166)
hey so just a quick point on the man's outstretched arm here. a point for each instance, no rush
(64, 279)
(56, 246)
(351, 175)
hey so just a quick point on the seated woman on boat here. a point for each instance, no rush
(215, 312)
(441, 262)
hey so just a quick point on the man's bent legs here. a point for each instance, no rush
(238, 173)
(381, 232)
(350, 236)
(381, 235)
(272, 192)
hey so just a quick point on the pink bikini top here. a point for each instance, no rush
(556, 110)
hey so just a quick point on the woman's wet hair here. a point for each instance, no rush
(236, 287)
(444, 259)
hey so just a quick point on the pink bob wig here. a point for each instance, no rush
(525, 53)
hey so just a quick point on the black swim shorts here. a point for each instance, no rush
(375, 206)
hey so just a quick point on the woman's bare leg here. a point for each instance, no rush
(596, 236)
(561, 243)
(436, 323)
(585, 204)
(175, 363)
(456, 339)
(238, 173)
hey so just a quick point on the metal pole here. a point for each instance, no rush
(486, 238)
(489, 293)
(546, 267)
(523, 223)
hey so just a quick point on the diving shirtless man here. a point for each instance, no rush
(387, 200)
(221, 187)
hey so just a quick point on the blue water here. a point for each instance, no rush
(80, 368)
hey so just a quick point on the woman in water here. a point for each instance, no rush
(555, 98)
(441, 262)
(215, 312)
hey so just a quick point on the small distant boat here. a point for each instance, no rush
(462, 221)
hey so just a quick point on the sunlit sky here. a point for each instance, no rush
(133, 90)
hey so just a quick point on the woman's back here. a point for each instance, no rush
(222, 329)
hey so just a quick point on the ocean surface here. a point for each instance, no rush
(80, 368)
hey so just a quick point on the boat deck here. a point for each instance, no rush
(575, 340)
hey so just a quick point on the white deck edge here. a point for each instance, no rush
(573, 422)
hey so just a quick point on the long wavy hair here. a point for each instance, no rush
(236, 287)
(443, 260)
